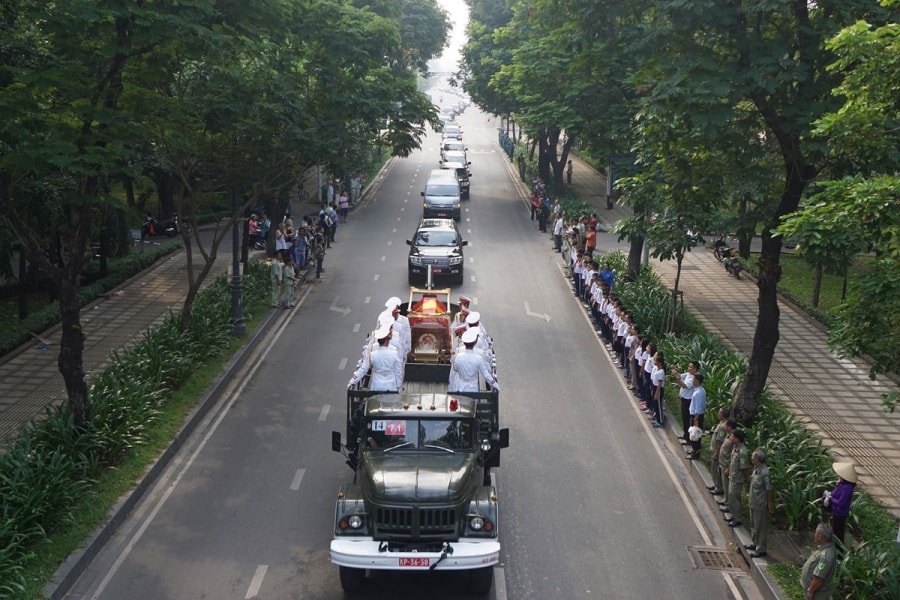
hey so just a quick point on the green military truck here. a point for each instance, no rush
(421, 497)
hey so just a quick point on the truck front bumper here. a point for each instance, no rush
(364, 554)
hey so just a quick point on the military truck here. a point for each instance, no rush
(422, 498)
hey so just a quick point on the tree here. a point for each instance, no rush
(708, 59)
(857, 214)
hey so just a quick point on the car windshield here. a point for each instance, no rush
(445, 434)
(451, 146)
(436, 238)
(452, 129)
(442, 190)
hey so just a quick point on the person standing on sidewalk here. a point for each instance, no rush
(590, 242)
(738, 469)
(697, 410)
(760, 501)
(838, 500)
(569, 172)
(715, 446)
(817, 576)
(319, 249)
(685, 381)
(724, 462)
(276, 273)
(558, 225)
(288, 282)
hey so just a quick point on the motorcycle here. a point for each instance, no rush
(727, 255)
(152, 227)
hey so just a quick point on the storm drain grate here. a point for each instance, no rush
(712, 558)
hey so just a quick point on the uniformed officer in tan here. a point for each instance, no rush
(817, 576)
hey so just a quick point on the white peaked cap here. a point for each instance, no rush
(473, 317)
(392, 302)
(469, 336)
(386, 318)
(382, 332)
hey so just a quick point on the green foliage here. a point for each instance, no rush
(53, 464)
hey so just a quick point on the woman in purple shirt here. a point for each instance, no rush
(838, 500)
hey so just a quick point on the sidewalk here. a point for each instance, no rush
(832, 396)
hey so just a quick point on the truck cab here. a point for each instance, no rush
(421, 496)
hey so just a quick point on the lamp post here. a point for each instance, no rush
(237, 312)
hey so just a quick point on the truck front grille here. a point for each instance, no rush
(415, 522)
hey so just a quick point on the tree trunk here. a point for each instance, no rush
(71, 352)
(128, 184)
(635, 251)
(23, 285)
(766, 336)
(817, 285)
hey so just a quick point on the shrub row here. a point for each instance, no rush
(799, 463)
(50, 466)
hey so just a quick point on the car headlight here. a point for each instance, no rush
(455, 260)
(415, 260)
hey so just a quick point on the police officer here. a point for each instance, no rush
(817, 576)
(737, 472)
(387, 369)
(725, 461)
(468, 364)
(760, 502)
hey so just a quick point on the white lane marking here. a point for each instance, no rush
(398, 218)
(405, 200)
(543, 316)
(383, 258)
(402, 208)
(391, 242)
(298, 477)
(657, 444)
(499, 583)
(356, 328)
(471, 259)
(732, 587)
(342, 365)
(256, 582)
(335, 307)
(469, 230)
(367, 300)
(394, 230)
(324, 414)
(170, 488)
(377, 276)
(473, 279)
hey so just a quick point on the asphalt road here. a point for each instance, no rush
(592, 504)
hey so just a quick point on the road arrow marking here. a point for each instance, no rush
(344, 310)
(543, 316)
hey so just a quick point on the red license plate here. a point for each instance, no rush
(433, 270)
(415, 562)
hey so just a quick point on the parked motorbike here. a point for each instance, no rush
(727, 255)
(152, 227)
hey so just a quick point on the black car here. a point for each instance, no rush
(437, 243)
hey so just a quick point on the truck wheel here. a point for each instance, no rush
(481, 580)
(351, 579)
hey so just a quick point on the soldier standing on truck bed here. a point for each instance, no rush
(401, 326)
(387, 368)
(468, 364)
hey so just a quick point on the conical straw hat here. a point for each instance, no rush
(846, 471)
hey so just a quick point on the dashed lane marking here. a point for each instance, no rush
(298, 477)
(256, 582)
(343, 364)
(324, 414)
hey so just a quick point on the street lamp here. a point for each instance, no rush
(237, 312)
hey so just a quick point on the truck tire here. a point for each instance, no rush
(481, 581)
(351, 579)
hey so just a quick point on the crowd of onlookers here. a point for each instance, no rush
(644, 370)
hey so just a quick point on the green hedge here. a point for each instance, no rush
(52, 464)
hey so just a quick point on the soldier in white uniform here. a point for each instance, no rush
(468, 364)
(387, 369)
(464, 303)
(401, 325)
(458, 330)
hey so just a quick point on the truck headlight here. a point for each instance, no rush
(355, 522)
(477, 523)
(480, 525)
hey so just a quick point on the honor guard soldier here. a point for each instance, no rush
(387, 369)
(464, 303)
(458, 330)
(401, 325)
(468, 364)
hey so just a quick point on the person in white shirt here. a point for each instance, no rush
(387, 369)
(685, 393)
(401, 325)
(558, 225)
(468, 364)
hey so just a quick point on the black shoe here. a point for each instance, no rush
(734, 523)
(723, 508)
(693, 457)
(718, 493)
(749, 546)
(757, 554)
(711, 487)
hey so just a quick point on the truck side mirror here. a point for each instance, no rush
(336, 441)
(504, 438)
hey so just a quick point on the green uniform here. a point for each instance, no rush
(740, 461)
(718, 437)
(821, 563)
(277, 273)
(760, 484)
(725, 460)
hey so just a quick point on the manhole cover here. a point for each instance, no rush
(712, 558)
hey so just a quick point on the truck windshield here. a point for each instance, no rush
(448, 434)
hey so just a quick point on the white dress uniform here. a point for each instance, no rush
(468, 364)
(387, 368)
